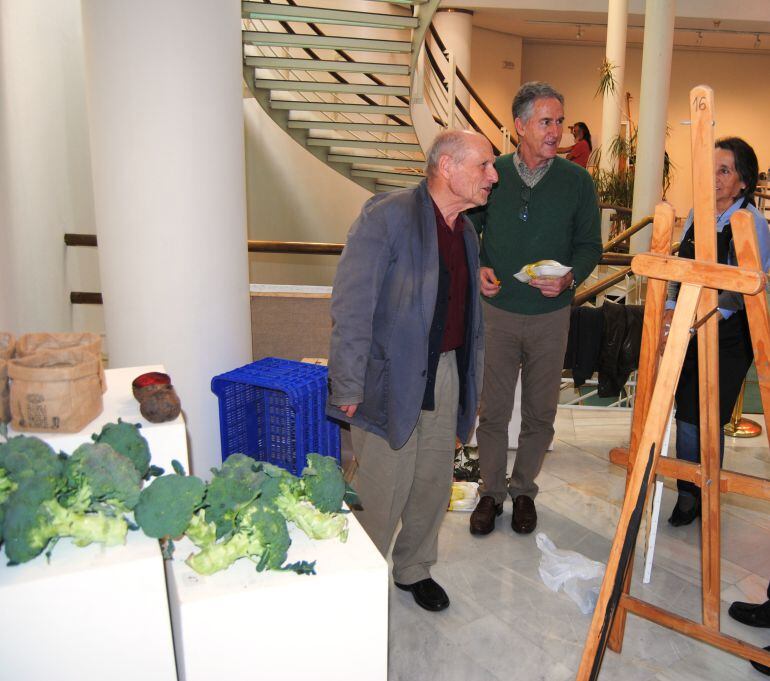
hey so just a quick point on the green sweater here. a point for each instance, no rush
(563, 224)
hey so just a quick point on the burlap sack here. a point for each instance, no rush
(32, 343)
(5, 405)
(7, 343)
(55, 391)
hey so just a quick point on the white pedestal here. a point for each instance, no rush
(167, 441)
(242, 624)
(93, 613)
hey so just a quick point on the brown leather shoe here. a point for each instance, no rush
(524, 514)
(483, 516)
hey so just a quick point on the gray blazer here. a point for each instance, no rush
(382, 308)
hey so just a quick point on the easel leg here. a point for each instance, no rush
(662, 231)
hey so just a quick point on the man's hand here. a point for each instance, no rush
(348, 409)
(551, 287)
(490, 284)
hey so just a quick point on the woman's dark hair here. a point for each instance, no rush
(586, 132)
(746, 163)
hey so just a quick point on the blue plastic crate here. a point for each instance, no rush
(274, 410)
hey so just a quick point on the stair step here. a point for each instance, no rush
(342, 108)
(373, 161)
(326, 65)
(319, 15)
(315, 86)
(387, 177)
(362, 144)
(330, 42)
(378, 128)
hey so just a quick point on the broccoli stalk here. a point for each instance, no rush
(201, 532)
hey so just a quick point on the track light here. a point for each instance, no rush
(757, 42)
(699, 41)
(579, 33)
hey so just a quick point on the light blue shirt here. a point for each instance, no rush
(729, 301)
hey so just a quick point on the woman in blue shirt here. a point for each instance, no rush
(737, 172)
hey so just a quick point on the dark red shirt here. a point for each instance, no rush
(451, 247)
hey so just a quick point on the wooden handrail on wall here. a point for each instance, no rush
(316, 248)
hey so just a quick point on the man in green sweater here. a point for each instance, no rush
(543, 208)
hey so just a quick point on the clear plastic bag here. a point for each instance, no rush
(580, 577)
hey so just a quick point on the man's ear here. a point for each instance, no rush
(518, 124)
(444, 162)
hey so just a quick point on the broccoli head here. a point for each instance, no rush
(167, 504)
(25, 457)
(260, 535)
(126, 439)
(234, 485)
(33, 517)
(201, 532)
(323, 483)
(108, 475)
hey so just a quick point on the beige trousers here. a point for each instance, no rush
(413, 483)
(536, 343)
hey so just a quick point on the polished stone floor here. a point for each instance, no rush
(504, 624)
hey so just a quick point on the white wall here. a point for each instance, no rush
(45, 173)
(292, 196)
(496, 83)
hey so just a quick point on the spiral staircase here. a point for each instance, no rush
(339, 81)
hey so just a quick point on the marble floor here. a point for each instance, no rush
(504, 624)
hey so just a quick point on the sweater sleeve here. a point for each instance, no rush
(586, 234)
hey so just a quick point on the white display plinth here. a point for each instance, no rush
(167, 441)
(92, 613)
(242, 624)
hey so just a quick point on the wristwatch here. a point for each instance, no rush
(573, 285)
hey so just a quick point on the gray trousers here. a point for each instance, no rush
(413, 483)
(536, 343)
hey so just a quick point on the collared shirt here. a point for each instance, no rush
(451, 248)
(530, 176)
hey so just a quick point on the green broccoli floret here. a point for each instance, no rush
(294, 506)
(33, 517)
(323, 483)
(126, 439)
(236, 484)
(107, 475)
(7, 486)
(260, 535)
(25, 457)
(167, 504)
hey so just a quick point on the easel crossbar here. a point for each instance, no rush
(729, 481)
(694, 630)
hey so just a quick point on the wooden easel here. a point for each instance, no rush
(699, 279)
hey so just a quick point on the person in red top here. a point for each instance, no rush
(581, 150)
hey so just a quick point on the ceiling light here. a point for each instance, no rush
(579, 33)
(699, 41)
(757, 42)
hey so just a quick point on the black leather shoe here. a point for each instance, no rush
(753, 614)
(483, 516)
(680, 516)
(761, 667)
(427, 594)
(524, 514)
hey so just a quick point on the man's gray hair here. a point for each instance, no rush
(452, 143)
(525, 98)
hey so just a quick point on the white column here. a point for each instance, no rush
(45, 176)
(455, 26)
(164, 94)
(612, 105)
(653, 98)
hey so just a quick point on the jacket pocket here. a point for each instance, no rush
(376, 387)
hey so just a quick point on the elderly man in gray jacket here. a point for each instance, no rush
(405, 363)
